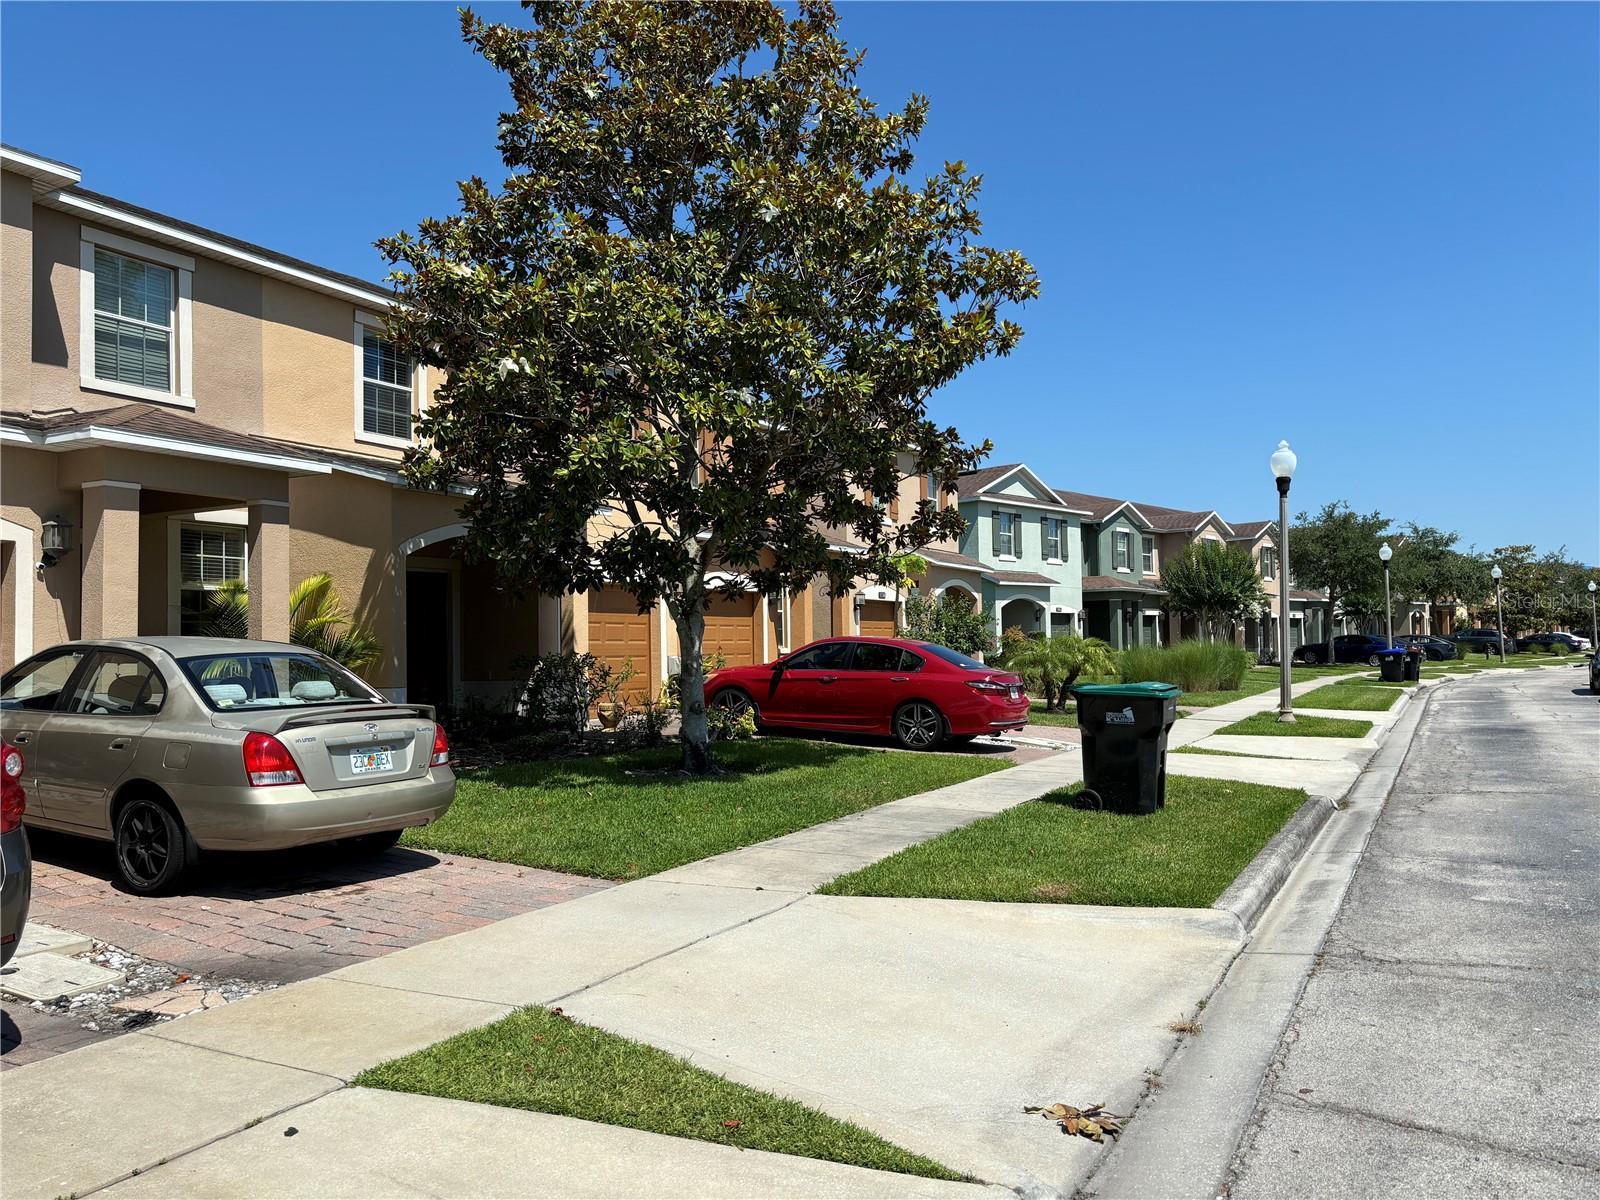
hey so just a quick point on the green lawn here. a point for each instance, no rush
(1038, 716)
(622, 816)
(1302, 726)
(1218, 753)
(1356, 696)
(1265, 679)
(1046, 851)
(540, 1060)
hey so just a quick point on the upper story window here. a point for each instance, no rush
(1005, 534)
(1148, 554)
(1052, 538)
(133, 318)
(1269, 562)
(1124, 551)
(135, 312)
(386, 385)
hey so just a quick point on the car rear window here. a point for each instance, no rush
(251, 681)
(954, 658)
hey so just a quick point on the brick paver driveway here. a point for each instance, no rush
(289, 915)
(267, 918)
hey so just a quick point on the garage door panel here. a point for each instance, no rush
(878, 618)
(730, 630)
(618, 632)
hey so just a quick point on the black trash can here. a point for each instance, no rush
(1413, 664)
(1124, 728)
(1392, 666)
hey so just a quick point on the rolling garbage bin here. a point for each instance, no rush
(1392, 666)
(1124, 729)
(1413, 664)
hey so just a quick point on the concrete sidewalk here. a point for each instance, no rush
(929, 1022)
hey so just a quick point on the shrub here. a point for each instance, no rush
(1193, 665)
(1050, 666)
(721, 727)
(949, 621)
(559, 690)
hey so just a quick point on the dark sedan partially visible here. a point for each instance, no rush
(16, 863)
(1434, 649)
(1347, 648)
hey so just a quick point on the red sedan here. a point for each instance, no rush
(920, 694)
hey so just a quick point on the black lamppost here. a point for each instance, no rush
(1283, 465)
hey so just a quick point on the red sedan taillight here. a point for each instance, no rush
(267, 762)
(988, 685)
(13, 800)
(441, 748)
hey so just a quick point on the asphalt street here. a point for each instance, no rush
(1445, 1043)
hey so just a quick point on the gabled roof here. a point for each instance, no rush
(1177, 520)
(1249, 531)
(1022, 577)
(982, 484)
(1102, 508)
(1121, 583)
(950, 559)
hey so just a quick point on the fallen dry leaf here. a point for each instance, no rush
(1092, 1122)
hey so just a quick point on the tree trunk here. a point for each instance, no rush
(1331, 599)
(693, 733)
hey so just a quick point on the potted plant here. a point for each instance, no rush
(611, 683)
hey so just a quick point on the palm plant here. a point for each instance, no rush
(318, 620)
(1051, 665)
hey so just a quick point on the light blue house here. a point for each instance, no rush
(1030, 544)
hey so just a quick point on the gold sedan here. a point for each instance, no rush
(166, 746)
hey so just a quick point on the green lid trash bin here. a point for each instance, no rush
(1124, 727)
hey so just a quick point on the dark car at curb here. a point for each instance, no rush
(1544, 641)
(1347, 648)
(1434, 649)
(1482, 641)
(918, 693)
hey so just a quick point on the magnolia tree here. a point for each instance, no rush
(1216, 584)
(1338, 550)
(708, 303)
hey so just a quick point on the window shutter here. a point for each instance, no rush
(994, 539)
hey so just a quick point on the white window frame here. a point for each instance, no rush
(1011, 522)
(1053, 531)
(1122, 550)
(216, 519)
(1147, 553)
(365, 323)
(181, 393)
(1269, 562)
(782, 614)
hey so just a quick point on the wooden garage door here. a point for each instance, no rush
(618, 631)
(731, 628)
(877, 618)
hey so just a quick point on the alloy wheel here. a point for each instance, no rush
(734, 703)
(145, 847)
(918, 726)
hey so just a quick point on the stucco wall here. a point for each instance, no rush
(16, 290)
(30, 492)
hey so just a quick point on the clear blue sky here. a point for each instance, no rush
(1348, 225)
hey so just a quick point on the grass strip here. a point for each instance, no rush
(1038, 716)
(1267, 724)
(1048, 852)
(541, 1060)
(623, 816)
(1355, 697)
(1208, 750)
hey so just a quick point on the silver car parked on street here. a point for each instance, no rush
(167, 746)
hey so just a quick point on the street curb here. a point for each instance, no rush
(1247, 896)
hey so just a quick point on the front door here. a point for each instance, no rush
(428, 638)
(88, 746)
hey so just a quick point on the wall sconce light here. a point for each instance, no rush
(55, 538)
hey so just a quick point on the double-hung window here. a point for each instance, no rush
(385, 388)
(1269, 563)
(1005, 534)
(1052, 538)
(208, 557)
(1148, 554)
(1124, 552)
(135, 314)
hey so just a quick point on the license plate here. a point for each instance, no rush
(1015, 693)
(373, 758)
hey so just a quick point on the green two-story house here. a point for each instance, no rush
(1031, 547)
(1122, 592)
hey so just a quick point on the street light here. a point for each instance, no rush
(1283, 465)
(1385, 553)
(1499, 614)
(1594, 625)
